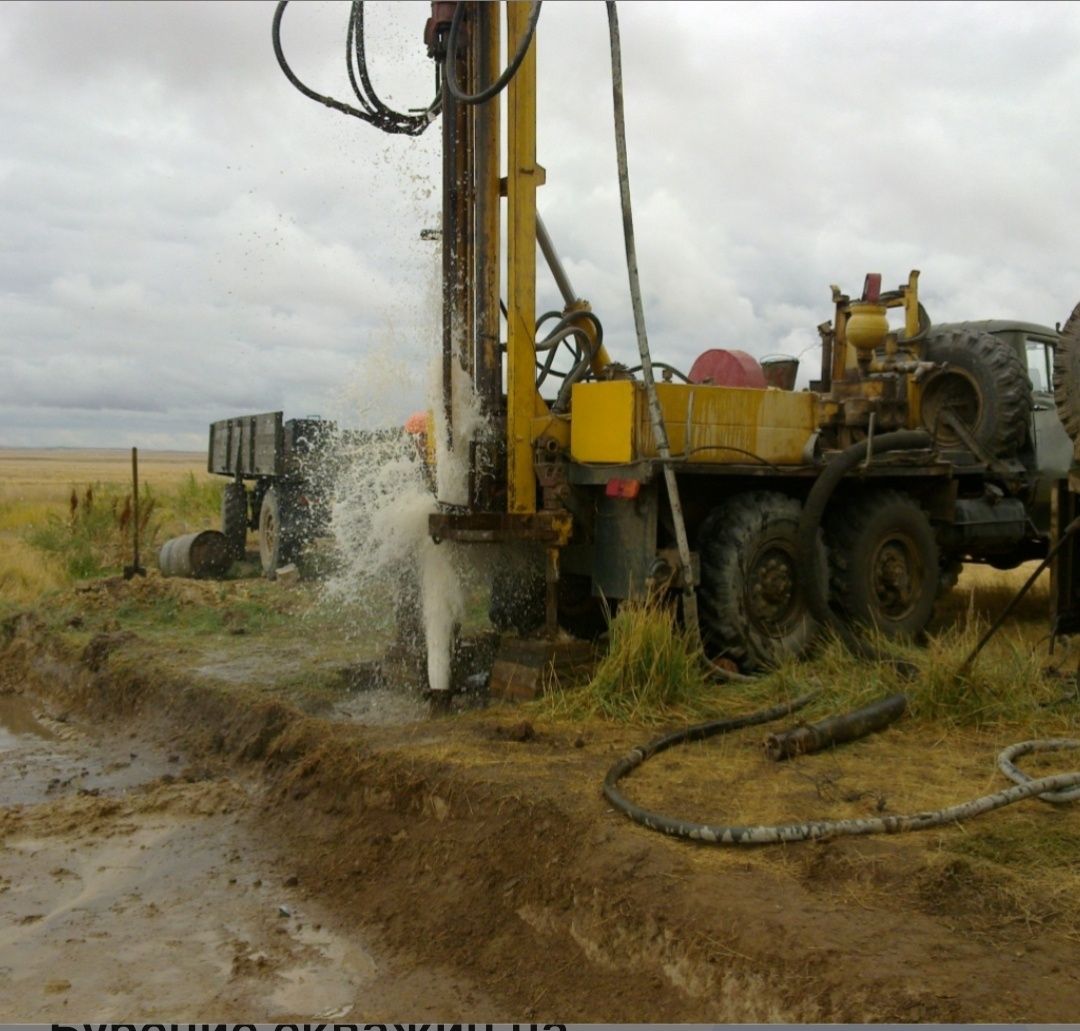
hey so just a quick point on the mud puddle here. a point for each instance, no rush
(17, 721)
(133, 884)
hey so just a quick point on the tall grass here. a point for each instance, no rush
(96, 534)
(654, 672)
(654, 669)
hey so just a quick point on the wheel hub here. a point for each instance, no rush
(772, 587)
(896, 577)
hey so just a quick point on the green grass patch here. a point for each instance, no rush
(95, 537)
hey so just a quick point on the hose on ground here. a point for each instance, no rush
(808, 568)
(1059, 787)
(689, 598)
(488, 92)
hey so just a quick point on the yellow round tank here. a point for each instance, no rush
(867, 326)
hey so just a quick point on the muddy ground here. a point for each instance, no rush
(177, 840)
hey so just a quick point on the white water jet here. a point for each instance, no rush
(383, 498)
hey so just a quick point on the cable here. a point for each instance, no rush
(666, 367)
(689, 598)
(374, 111)
(488, 92)
(769, 834)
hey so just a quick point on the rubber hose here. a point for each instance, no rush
(488, 92)
(1057, 744)
(770, 834)
(808, 568)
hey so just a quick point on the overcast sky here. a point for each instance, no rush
(186, 237)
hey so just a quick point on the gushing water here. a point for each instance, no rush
(384, 495)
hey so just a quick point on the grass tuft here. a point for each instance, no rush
(653, 670)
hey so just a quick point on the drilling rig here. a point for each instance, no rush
(764, 511)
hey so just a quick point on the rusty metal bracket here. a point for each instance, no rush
(551, 528)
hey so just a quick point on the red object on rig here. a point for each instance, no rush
(627, 489)
(724, 368)
(438, 25)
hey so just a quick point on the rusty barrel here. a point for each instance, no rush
(780, 371)
(203, 555)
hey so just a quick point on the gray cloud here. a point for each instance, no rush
(186, 237)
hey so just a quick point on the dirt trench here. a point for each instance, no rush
(486, 862)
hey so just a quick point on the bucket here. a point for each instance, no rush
(203, 556)
(780, 371)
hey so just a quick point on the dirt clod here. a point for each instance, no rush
(522, 731)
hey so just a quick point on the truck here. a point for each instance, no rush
(761, 511)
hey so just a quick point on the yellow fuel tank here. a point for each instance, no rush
(707, 424)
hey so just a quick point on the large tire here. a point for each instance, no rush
(277, 545)
(751, 608)
(1067, 376)
(984, 383)
(883, 563)
(234, 519)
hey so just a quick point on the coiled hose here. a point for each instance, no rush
(1061, 787)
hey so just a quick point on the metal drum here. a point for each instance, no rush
(727, 368)
(203, 555)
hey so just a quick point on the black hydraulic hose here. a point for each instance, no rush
(337, 105)
(411, 124)
(391, 122)
(815, 587)
(1060, 785)
(488, 92)
(698, 732)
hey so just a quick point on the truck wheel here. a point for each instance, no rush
(984, 384)
(1067, 375)
(750, 606)
(234, 519)
(275, 539)
(883, 563)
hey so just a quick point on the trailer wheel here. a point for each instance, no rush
(883, 563)
(751, 607)
(984, 384)
(276, 546)
(234, 519)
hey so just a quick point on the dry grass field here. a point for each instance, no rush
(46, 541)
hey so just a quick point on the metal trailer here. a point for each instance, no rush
(280, 482)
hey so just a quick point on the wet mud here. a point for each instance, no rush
(175, 843)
